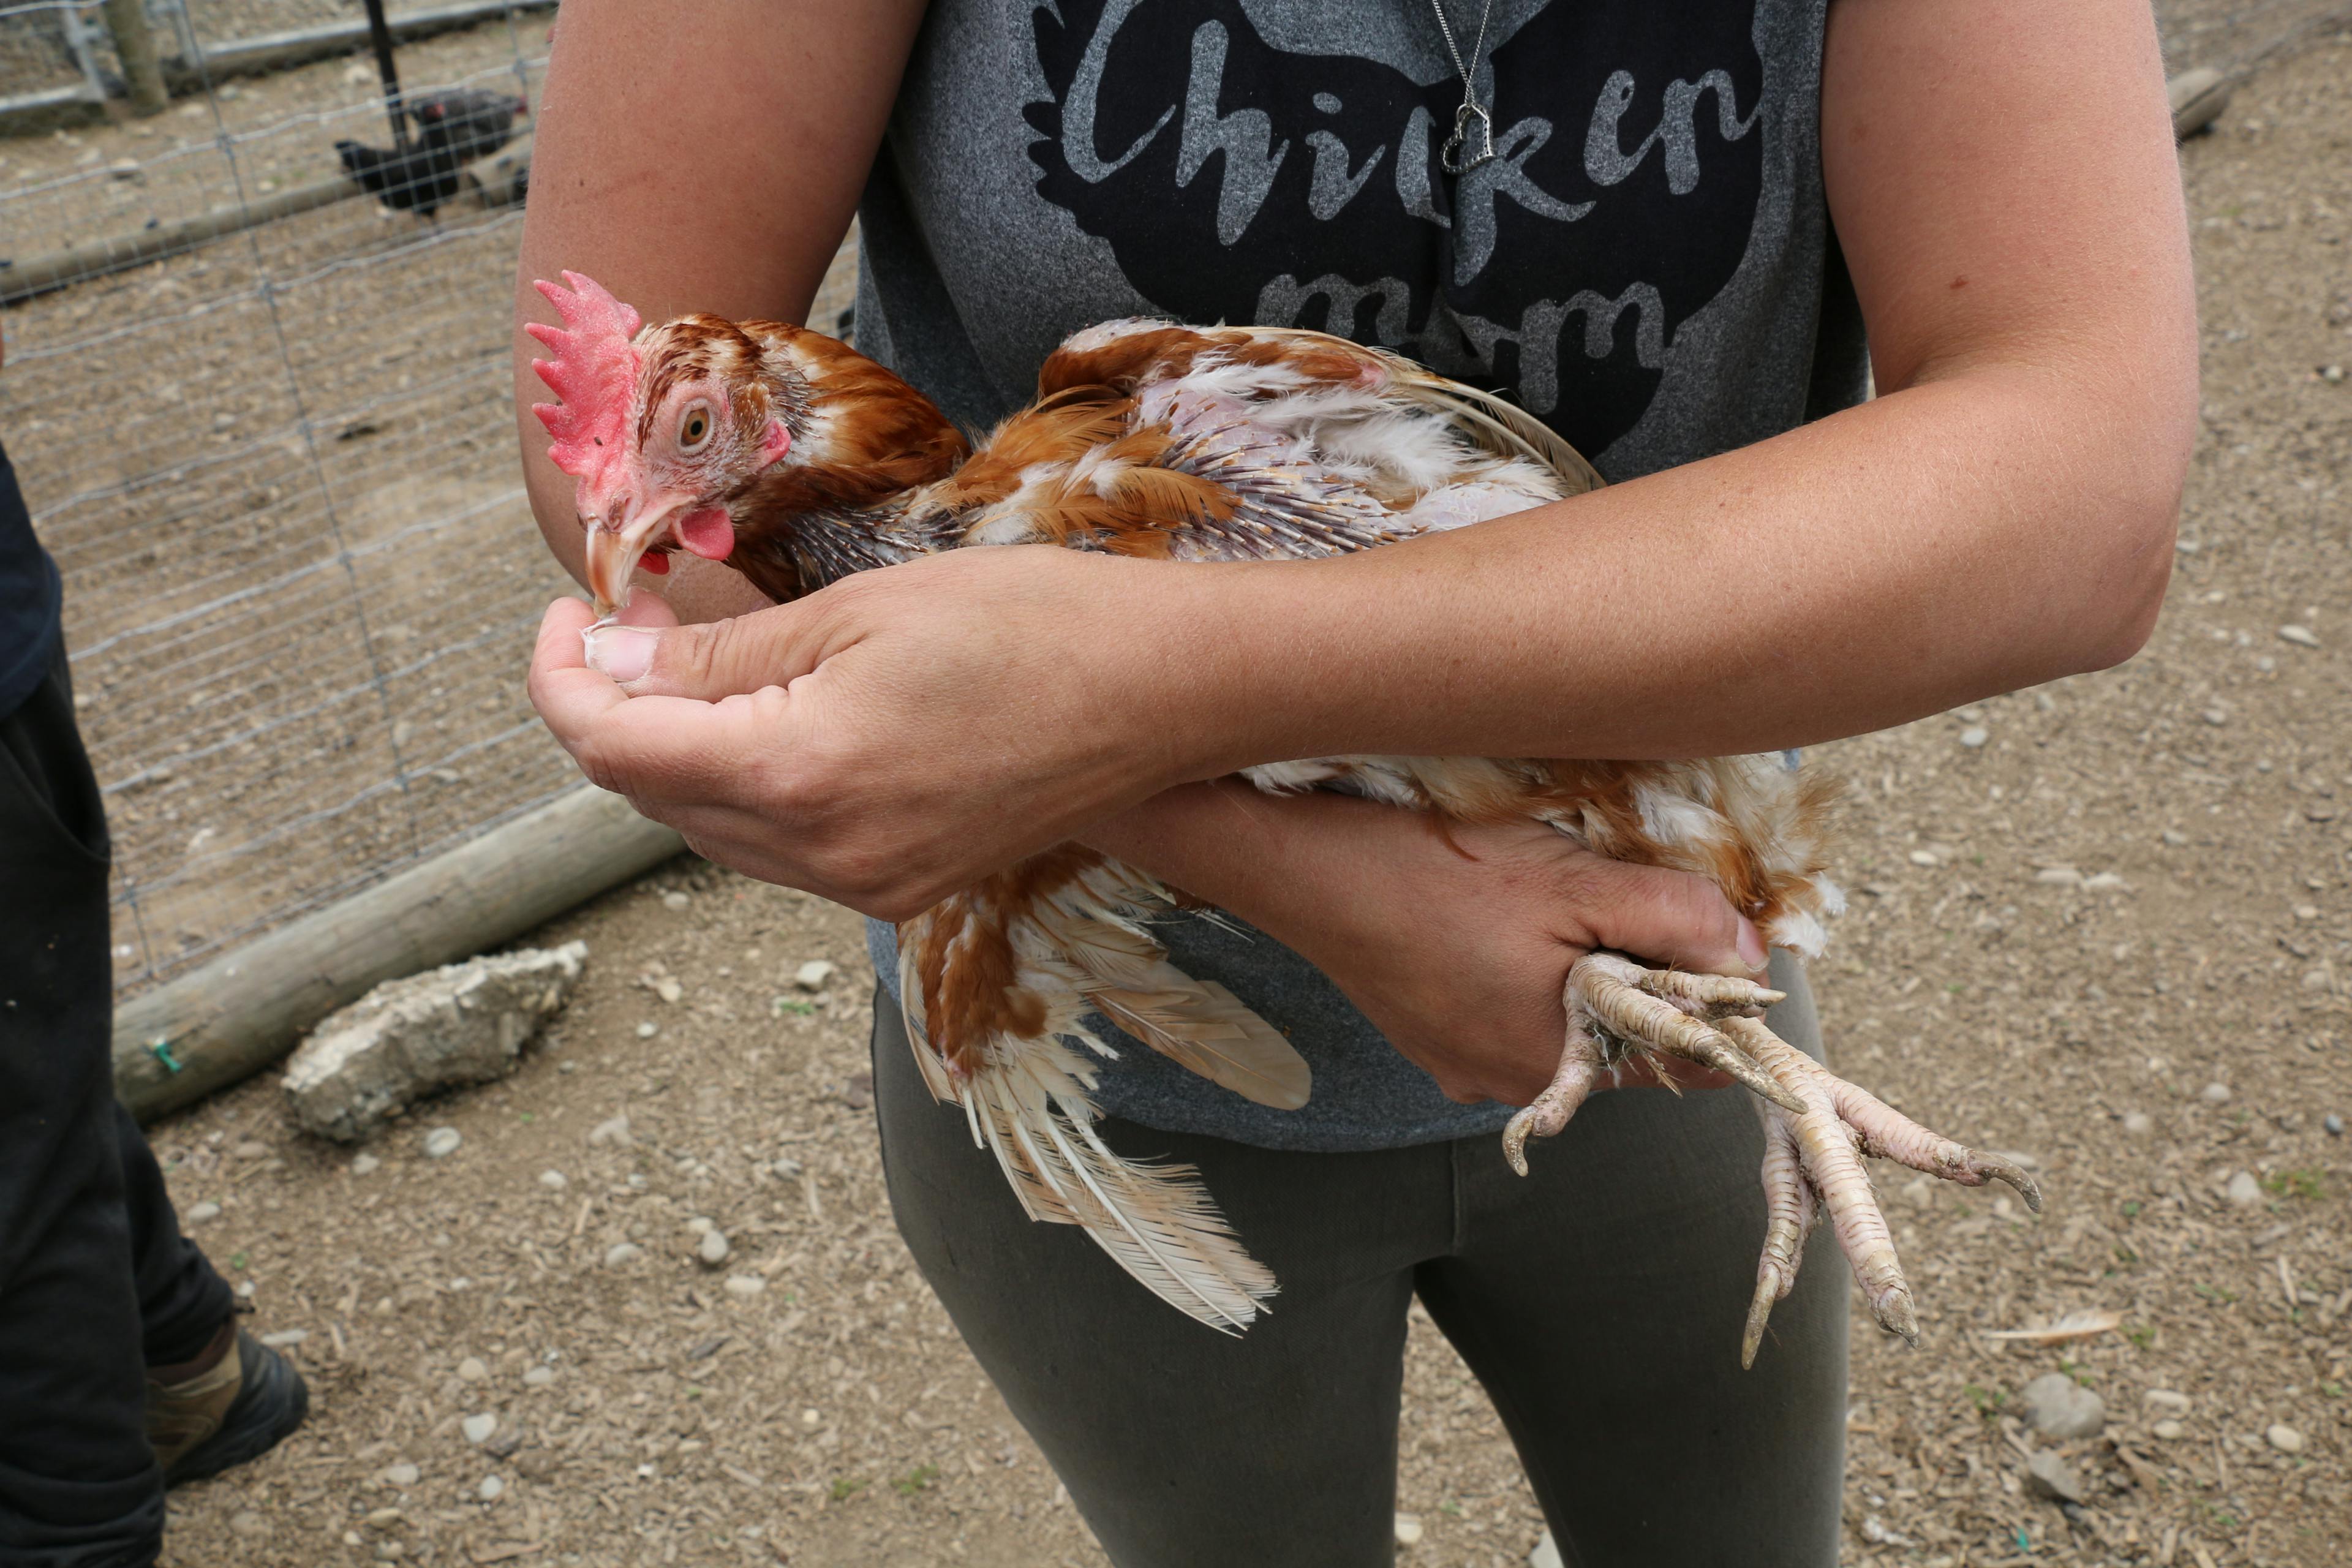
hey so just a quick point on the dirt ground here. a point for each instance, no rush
(2103, 924)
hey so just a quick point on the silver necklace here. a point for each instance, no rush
(1467, 147)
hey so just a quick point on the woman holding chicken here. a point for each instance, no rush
(1661, 232)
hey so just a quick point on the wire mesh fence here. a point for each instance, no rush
(265, 425)
(276, 470)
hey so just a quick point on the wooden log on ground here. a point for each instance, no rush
(134, 45)
(39, 274)
(268, 52)
(500, 180)
(244, 1010)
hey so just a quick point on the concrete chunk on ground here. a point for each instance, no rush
(462, 1023)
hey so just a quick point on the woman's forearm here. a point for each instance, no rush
(1959, 539)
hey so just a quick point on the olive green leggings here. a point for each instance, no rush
(1600, 1300)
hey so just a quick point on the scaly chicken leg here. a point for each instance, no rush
(1817, 1126)
(1619, 1012)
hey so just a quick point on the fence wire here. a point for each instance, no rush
(275, 464)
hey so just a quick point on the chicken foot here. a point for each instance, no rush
(1812, 1162)
(1619, 1012)
(1817, 1126)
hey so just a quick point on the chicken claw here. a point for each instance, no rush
(1817, 1126)
(1812, 1160)
(1617, 1011)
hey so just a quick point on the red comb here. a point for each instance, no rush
(594, 373)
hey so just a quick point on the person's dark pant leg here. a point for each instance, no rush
(1183, 1447)
(182, 1299)
(78, 1193)
(1601, 1300)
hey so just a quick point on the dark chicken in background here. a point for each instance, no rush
(453, 129)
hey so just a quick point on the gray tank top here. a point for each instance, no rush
(1646, 263)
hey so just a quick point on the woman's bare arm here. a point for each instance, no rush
(702, 157)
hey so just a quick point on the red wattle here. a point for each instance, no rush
(709, 532)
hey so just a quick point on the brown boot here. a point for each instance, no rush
(235, 1402)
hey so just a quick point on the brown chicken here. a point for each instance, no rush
(796, 461)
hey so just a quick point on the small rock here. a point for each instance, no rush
(2215, 1094)
(622, 1252)
(249, 1150)
(2175, 838)
(2059, 877)
(647, 1031)
(477, 1429)
(812, 975)
(613, 1131)
(285, 1338)
(1919, 1192)
(1547, 1552)
(539, 1377)
(713, 1249)
(248, 1524)
(461, 1023)
(2105, 882)
(199, 1212)
(1876, 1530)
(472, 1369)
(492, 1488)
(2302, 637)
(2139, 1123)
(1923, 857)
(2283, 1437)
(503, 1446)
(2334, 1124)
(1408, 1530)
(698, 1226)
(362, 1165)
(2167, 1399)
(668, 990)
(553, 1180)
(402, 1474)
(2215, 716)
(2048, 1476)
(2058, 1405)
(2244, 1190)
(442, 1142)
(675, 900)
(2170, 1431)
(745, 1286)
(1974, 735)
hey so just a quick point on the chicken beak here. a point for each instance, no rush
(615, 545)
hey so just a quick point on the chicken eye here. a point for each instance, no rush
(696, 429)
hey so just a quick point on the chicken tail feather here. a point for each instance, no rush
(1026, 1098)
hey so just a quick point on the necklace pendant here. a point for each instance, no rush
(1471, 144)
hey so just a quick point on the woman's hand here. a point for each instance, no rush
(1457, 946)
(895, 737)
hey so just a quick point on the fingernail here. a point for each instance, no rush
(1751, 941)
(624, 653)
